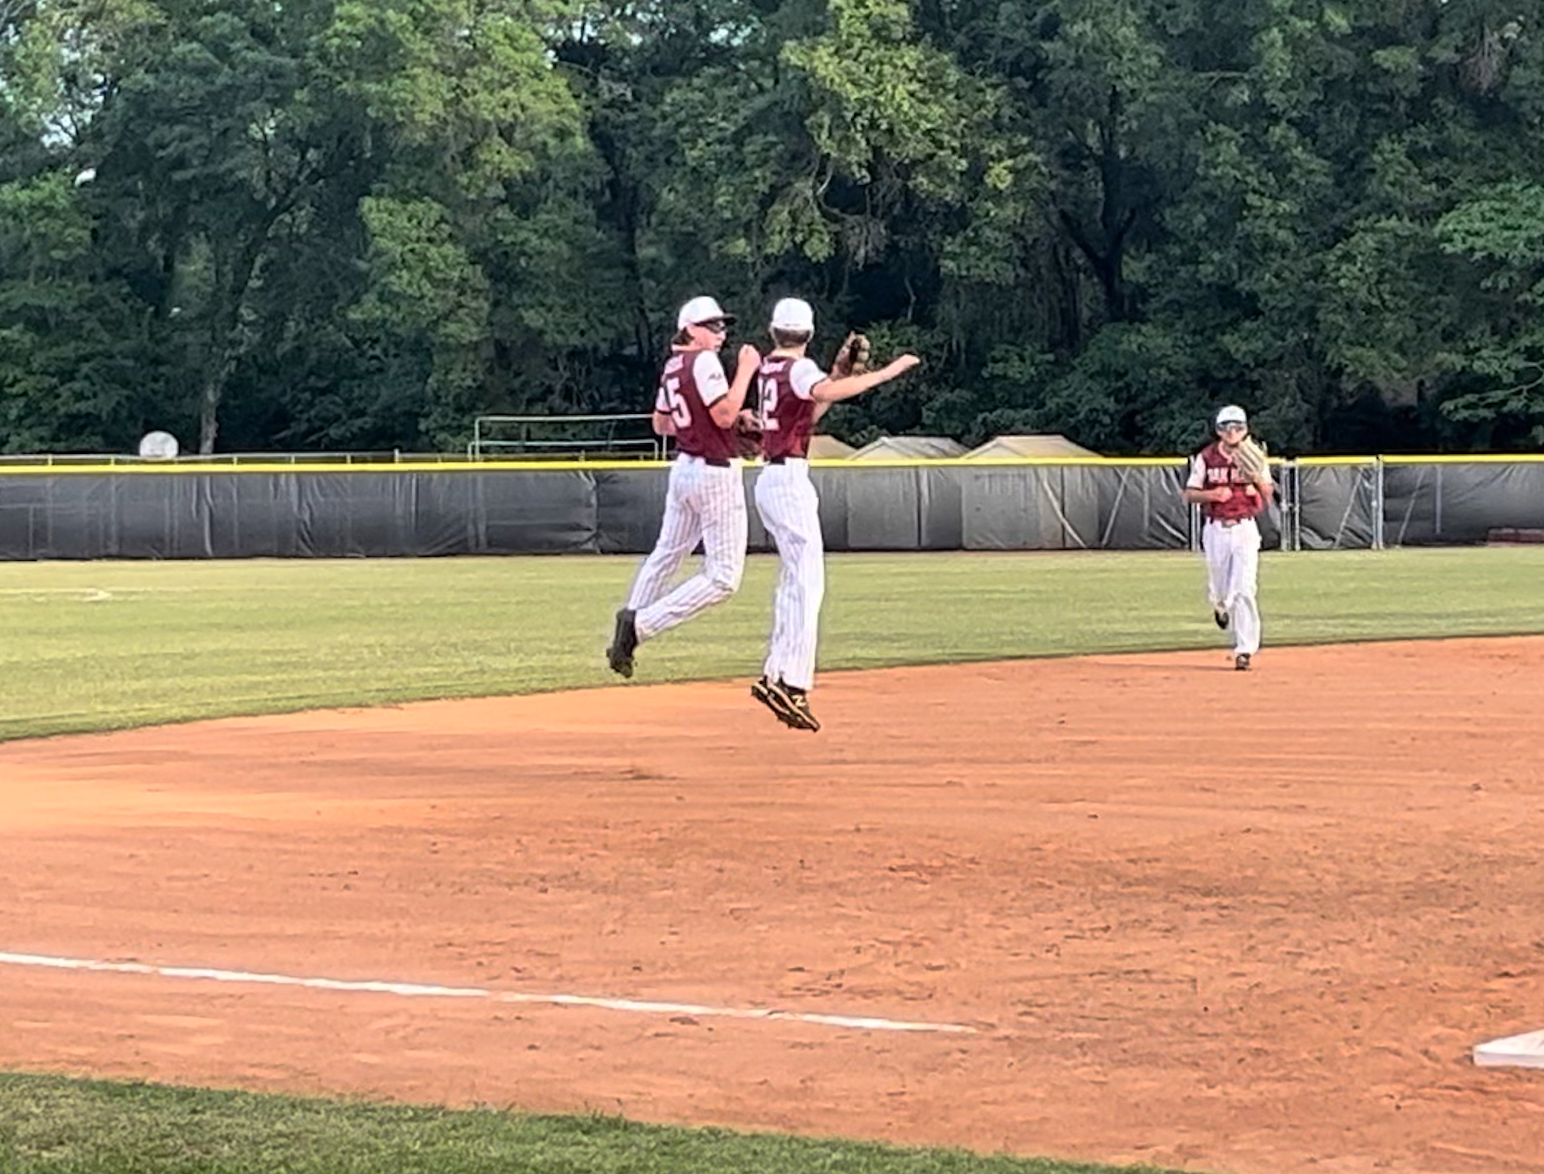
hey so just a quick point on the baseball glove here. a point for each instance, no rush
(1251, 457)
(852, 357)
(747, 436)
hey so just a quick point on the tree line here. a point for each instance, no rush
(358, 224)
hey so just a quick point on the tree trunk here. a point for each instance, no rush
(209, 413)
(223, 351)
(225, 343)
(1104, 246)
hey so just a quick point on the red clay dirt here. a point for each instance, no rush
(1197, 919)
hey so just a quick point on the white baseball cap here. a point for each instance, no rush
(793, 315)
(1232, 414)
(699, 310)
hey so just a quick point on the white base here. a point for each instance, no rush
(1517, 1051)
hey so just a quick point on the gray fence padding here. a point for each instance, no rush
(228, 513)
(1446, 504)
(1335, 506)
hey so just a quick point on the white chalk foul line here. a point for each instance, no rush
(415, 990)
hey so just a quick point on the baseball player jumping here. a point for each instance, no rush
(705, 499)
(793, 394)
(1231, 495)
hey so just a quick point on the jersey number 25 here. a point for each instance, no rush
(679, 412)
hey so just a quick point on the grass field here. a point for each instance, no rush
(91, 1127)
(106, 645)
(91, 646)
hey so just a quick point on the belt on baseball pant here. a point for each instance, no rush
(1229, 521)
(783, 460)
(716, 462)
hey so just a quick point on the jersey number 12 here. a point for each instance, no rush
(766, 408)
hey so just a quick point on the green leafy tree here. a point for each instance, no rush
(345, 223)
(77, 372)
(1499, 357)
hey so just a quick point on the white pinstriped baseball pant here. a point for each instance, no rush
(703, 503)
(790, 510)
(1232, 578)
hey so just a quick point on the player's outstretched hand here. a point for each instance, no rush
(852, 357)
(749, 355)
(903, 364)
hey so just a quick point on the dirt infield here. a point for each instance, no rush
(1195, 918)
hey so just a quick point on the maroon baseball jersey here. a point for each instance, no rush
(1209, 469)
(691, 383)
(787, 409)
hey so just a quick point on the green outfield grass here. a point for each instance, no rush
(90, 1127)
(92, 646)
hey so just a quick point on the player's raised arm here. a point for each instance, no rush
(726, 409)
(829, 391)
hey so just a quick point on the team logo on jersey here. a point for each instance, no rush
(1226, 474)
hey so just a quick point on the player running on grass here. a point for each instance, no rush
(1231, 497)
(705, 499)
(794, 393)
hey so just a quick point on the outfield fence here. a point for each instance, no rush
(279, 509)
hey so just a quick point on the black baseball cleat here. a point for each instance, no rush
(624, 642)
(799, 703)
(1220, 618)
(774, 698)
(1241, 662)
(790, 706)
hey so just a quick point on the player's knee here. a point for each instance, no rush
(724, 581)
